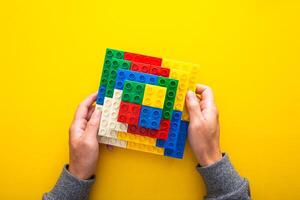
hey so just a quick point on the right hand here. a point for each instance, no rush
(204, 129)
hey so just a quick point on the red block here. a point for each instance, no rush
(164, 72)
(162, 133)
(142, 58)
(129, 113)
(159, 71)
(154, 70)
(140, 67)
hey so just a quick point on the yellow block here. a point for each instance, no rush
(145, 148)
(130, 137)
(182, 77)
(154, 96)
(185, 114)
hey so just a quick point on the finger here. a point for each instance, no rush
(207, 96)
(82, 110)
(207, 104)
(93, 124)
(90, 112)
(193, 106)
(109, 147)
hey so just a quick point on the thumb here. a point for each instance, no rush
(193, 106)
(93, 124)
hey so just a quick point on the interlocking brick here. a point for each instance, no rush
(171, 85)
(123, 75)
(154, 96)
(133, 92)
(142, 58)
(181, 141)
(145, 148)
(136, 138)
(150, 117)
(112, 53)
(129, 113)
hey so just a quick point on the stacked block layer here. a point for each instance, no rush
(142, 99)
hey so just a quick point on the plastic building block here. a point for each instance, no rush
(99, 107)
(164, 128)
(114, 66)
(105, 72)
(101, 95)
(154, 96)
(150, 69)
(129, 113)
(123, 75)
(178, 152)
(140, 67)
(109, 124)
(150, 117)
(133, 92)
(104, 129)
(142, 58)
(160, 143)
(171, 85)
(114, 109)
(161, 133)
(135, 129)
(174, 130)
(185, 114)
(112, 53)
(145, 148)
(164, 72)
(112, 141)
(159, 71)
(136, 138)
(182, 77)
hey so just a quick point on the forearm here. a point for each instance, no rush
(223, 182)
(69, 187)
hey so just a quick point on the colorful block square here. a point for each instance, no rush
(142, 101)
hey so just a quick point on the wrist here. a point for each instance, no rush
(77, 172)
(206, 159)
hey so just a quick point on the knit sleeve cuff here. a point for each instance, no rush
(70, 187)
(221, 178)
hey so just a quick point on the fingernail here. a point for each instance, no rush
(191, 95)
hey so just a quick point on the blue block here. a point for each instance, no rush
(101, 95)
(181, 140)
(174, 130)
(150, 117)
(123, 75)
(160, 143)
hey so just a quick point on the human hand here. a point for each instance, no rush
(84, 147)
(204, 129)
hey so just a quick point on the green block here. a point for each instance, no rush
(171, 85)
(111, 75)
(133, 92)
(112, 53)
(105, 72)
(120, 64)
(109, 92)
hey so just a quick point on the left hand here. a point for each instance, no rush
(84, 147)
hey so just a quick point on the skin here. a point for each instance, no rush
(203, 133)
(204, 129)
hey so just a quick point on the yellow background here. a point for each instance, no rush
(51, 56)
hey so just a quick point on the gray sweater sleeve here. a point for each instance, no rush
(69, 187)
(223, 182)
